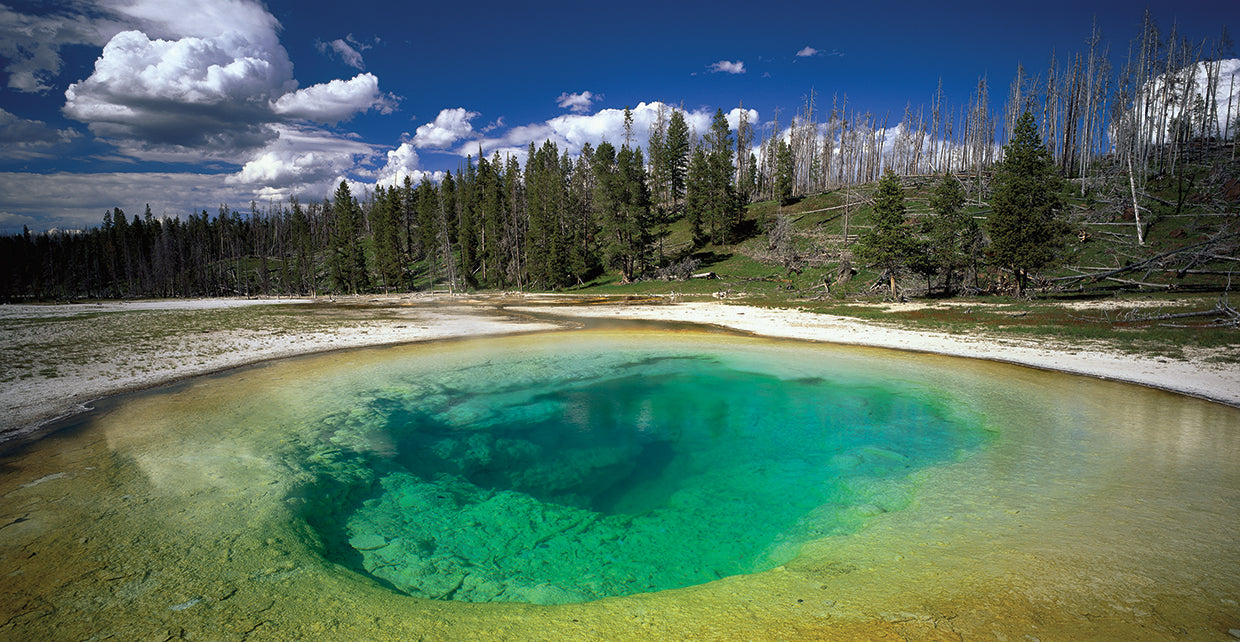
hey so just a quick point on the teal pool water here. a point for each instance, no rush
(313, 498)
(588, 472)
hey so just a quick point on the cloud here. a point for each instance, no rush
(201, 18)
(810, 52)
(335, 101)
(577, 103)
(496, 124)
(1195, 80)
(76, 201)
(23, 138)
(347, 54)
(30, 44)
(571, 132)
(734, 117)
(205, 80)
(199, 81)
(10, 221)
(727, 66)
(301, 160)
(401, 162)
(450, 126)
(206, 93)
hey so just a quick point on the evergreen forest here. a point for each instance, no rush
(1091, 175)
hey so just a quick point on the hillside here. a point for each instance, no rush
(1171, 293)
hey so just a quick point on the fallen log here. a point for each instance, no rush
(1141, 264)
(1165, 286)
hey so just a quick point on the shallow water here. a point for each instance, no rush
(830, 487)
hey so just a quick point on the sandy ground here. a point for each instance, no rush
(1194, 377)
(33, 396)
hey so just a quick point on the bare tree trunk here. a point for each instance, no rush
(1136, 208)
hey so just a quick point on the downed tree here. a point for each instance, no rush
(1227, 316)
(1132, 267)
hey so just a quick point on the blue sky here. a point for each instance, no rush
(188, 104)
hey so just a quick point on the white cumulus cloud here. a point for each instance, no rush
(301, 160)
(31, 43)
(727, 66)
(247, 19)
(571, 132)
(208, 92)
(577, 103)
(449, 126)
(334, 101)
(404, 162)
(1195, 79)
(807, 52)
(205, 79)
(182, 81)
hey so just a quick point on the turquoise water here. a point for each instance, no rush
(584, 474)
(309, 498)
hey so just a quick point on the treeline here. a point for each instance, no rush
(562, 220)
(557, 222)
(1166, 96)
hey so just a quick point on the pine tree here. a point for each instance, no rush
(623, 203)
(713, 207)
(783, 172)
(1025, 233)
(889, 243)
(430, 231)
(349, 259)
(954, 235)
(468, 221)
(697, 194)
(549, 262)
(447, 216)
(654, 149)
(724, 209)
(515, 223)
(744, 157)
(385, 229)
(409, 221)
(674, 157)
(304, 248)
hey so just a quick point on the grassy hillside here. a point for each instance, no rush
(1167, 296)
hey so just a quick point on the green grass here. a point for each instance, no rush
(1100, 314)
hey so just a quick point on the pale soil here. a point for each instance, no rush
(1194, 376)
(56, 359)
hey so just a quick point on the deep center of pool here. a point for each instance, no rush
(654, 474)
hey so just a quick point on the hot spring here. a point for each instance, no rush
(596, 484)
